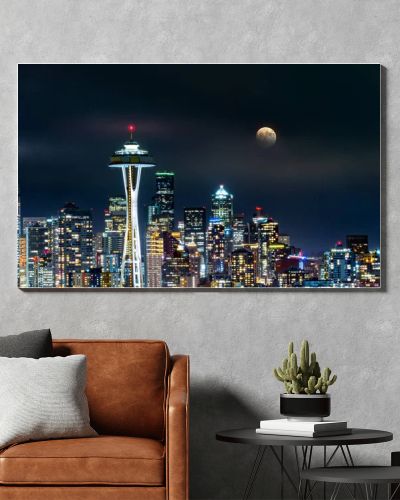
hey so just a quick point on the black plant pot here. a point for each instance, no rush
(305, 406)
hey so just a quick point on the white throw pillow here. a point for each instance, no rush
(43, 399)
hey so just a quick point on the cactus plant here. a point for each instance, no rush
(304, 377)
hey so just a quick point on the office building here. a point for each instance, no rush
(243, 272)
(222, 206)
(154, 257)
(358, 244)
(341, 265)
(195, 229)
(75, 245)
(164, 201)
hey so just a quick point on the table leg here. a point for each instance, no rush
(305, 464)
(279, 456)
(282, 496)
(283, 467)
(307, 456)
(390, 494)
(254, 471)
(324, 466)
(335, 491)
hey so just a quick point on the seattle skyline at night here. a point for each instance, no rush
(269, 179)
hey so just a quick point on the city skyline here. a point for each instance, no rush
(221, 208)
(214, 247)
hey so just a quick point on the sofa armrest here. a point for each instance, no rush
(177, 431)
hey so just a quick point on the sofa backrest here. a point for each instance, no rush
(126, 386)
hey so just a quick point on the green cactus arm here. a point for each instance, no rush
(278, 376)
(296, 387)
(304, 356)
(333, 380)
(288, 388)
(293, 363)
(327, 373)
(313, 363)
(312, 382)
(290, 349)
(282, 374)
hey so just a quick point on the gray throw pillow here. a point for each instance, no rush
(43, 399)
(34, 344)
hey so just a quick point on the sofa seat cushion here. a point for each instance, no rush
(103, 460)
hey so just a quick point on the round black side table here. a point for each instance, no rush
(303, 450)
(370, 477)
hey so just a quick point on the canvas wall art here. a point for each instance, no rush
(199, 177)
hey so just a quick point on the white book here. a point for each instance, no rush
(311, 434)
(303, 425)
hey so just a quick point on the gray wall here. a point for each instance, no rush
(234, 339)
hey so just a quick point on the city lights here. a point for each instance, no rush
(216, 249)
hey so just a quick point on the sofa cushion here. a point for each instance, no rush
(103, 460)
(33, 344)
(126, 385)
(43, 399)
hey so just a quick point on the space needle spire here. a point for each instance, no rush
(131, 159)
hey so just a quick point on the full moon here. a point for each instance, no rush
(266, 137)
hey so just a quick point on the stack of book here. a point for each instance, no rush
(303, 428)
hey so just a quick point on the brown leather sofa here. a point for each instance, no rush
(138, 400)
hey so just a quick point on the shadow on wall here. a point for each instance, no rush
(220, 470)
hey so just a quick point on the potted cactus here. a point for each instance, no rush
(306, 386)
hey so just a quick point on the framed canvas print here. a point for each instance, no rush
(199, 177)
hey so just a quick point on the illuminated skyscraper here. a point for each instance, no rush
(358, 243)
(38, 252)
(195, 264)
(175, 270)
(268, 231)
(243, 268)
(113, 241)
(115, 214)
(164, 201)
(131, 159)
(292, 278)
(19, 234)
(75, 245)
(22, 262)
(238, 231)
(38, 248)
(195, 232)
(222, 206)
(195, 226)
(154, 256)
(216, 248)
(342, 266)
(369, 269)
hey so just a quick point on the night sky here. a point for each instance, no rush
(320, 181)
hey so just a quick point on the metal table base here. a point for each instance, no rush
(303, 462)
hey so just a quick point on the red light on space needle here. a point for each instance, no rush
(131, 129)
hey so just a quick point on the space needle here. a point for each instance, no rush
(131, 159)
